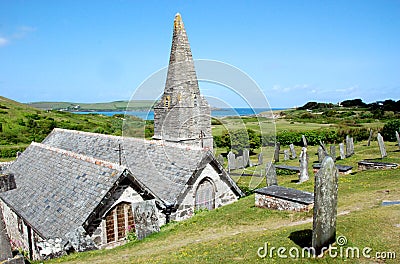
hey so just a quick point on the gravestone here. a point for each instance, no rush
(351, 146)
(246, 158)
(341, 150)
(333, 152)
(321, 154)
(239, 162)
(348, 146)
(369, 138)
(322, 144)
(325, 206)
(285, 154)
(277, 150)
(398, 138)
(220, 159)
(381, 145)
(304, 140)
(293, 151)
(260, 158)
(231, 161)
(145, 217)
(270, 172)
(303, 166)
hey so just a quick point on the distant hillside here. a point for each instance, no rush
(20, 124)
(110, 106)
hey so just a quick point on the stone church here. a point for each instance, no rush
(77, 191)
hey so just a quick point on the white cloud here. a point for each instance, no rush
(3, 41)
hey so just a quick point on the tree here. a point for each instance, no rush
(390, 128)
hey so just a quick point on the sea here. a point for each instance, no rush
(220, 112)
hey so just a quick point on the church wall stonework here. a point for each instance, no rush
(223, 194)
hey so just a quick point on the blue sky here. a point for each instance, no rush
(297, 51)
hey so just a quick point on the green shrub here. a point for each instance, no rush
(390, 128)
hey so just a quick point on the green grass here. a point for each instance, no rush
(233, 233)
(109, 106)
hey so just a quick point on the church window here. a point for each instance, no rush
(195, 100)
(167, 101)
(205, 195)
(119, 221)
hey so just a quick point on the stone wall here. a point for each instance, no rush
(223, 194)
(270, 202)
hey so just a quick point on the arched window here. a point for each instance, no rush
(205, 195)
(119, 221)
(167, 101)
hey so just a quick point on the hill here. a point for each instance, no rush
(20, 124)
(110, 106)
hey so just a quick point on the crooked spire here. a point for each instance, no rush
(181, 76)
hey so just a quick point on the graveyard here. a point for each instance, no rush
(236, 232)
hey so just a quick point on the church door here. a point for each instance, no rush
(119, 221)
(205, 195)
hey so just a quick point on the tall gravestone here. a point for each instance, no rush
(333, 152)
(341, 151)
(276, 152)
(381, 145)
(369, 138)
(246, 158)
(231, 161)
(351, 146)
(325, 205)
(293, 151)
(146, 219)
(220, 159)
(348, 146)
(286, 154)
(260, 158)
(270, 172)
(321, 154)
(303, 166)
(398, 138)
(304, 140)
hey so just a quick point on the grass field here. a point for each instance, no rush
(109, 106)
(234, 233)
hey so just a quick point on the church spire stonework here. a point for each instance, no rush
(182, 115)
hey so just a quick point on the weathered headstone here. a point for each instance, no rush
(351, 146)
(341, 150)
(348, 146)
(260, 158)
(277, 150)
(239, 162)
(231, 161)
(322, 144)
(304, 140)
(325, 206)
(369, 138)
(293, 151)
(270, 172)
(333, 152)
(321, 154)
(303, 166)
(145, 217)
(381, 145)
(398, 138)
(285, 154)
(220, 159)
(246, 158)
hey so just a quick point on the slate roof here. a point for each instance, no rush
(163, 167)
(58, 189)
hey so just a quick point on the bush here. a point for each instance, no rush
(390, 128)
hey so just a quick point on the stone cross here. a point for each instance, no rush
(231, 161)
(333, 152)
(370, 137)
(381, 145)
(398, 138)
(246, 158)
(341, 150)
(285, 154)
(220, 159)
(304, 140)
(321, 154)
(277, 150)
(303, 166)
(293, 151)
(260, 158)
(325, 206)
(271, 174)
